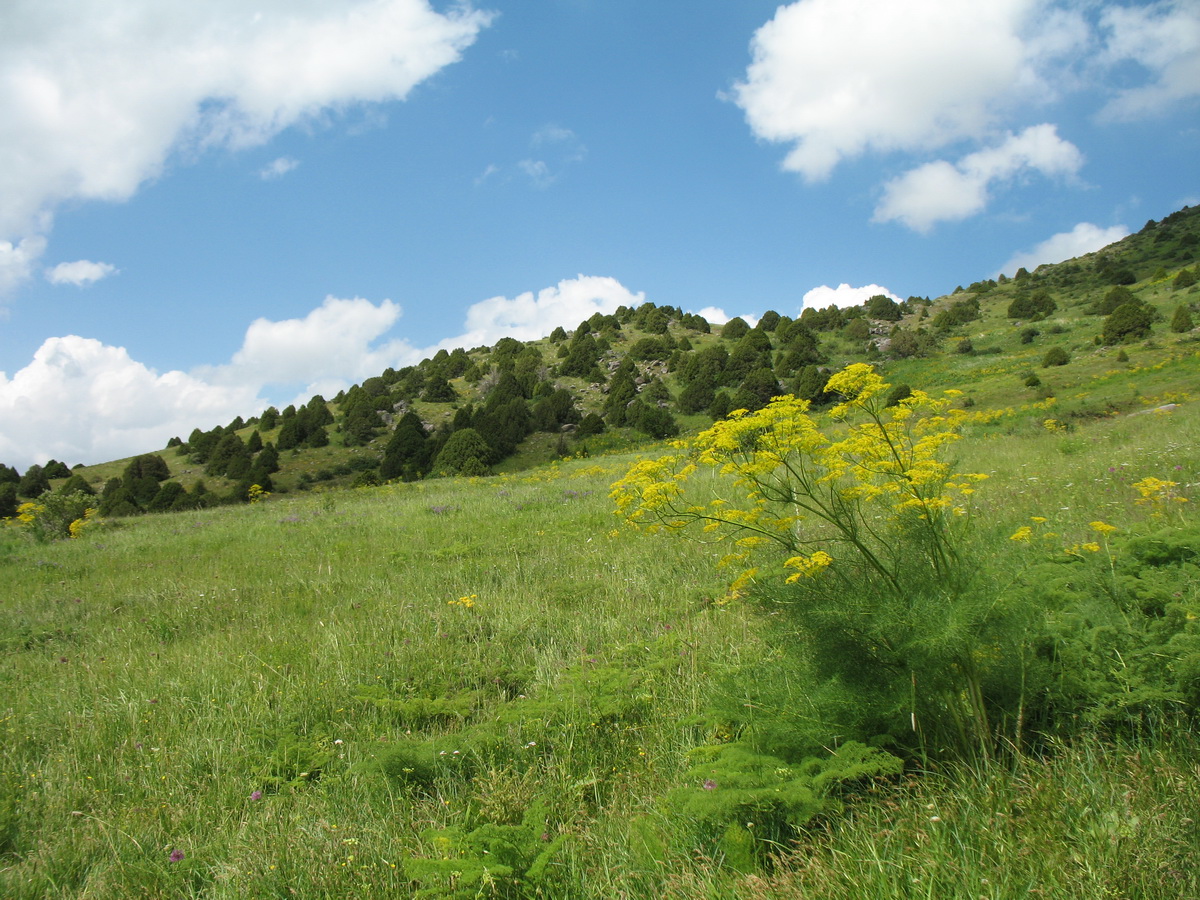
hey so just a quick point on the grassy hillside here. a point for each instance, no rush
(487, 687)
(463, 687)
(979, 339)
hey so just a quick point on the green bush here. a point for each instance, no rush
(1055, 356)
(1128, 322)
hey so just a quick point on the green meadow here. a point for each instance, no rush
(491, 687)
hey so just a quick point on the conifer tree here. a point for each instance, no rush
(33, 483)
(1181, 321)
(8, 499)
(406, 454)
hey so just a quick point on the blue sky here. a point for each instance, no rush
(207, 208)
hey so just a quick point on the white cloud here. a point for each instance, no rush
(563, 148)
(941, 191)
(552, 134)
(838, 78)
(80, 273)
(17, 260)
(487, 173)
(714, 315)
(843, 295)
(95, 96)
(1083, 238)
(1164, 40)
(82, 401)
(335, 341)
(277, 168)
(538, 172)
(528, 317)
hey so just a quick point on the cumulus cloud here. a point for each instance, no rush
(530, 316)
(18, 259)
(80, 273)
(277, 168)
(1164, 40)
(1083, 238)
(96, 96)
(838, 78)
(83, 401)
(714, 315)
(941, 191)
(834, 80)
(335, 344)
(843, 295)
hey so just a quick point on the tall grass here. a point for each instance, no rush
(204, 704)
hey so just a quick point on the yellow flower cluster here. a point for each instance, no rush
(1154, 491)
(76, 528)
(808, 566)
(28, 512)
(466, 602)
(774, 477)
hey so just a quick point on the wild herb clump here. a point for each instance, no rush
(861, 536)
(56, 515)
(923, 635)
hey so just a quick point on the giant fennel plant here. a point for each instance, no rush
(862, 533)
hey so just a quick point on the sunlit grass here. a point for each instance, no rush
(201, 683)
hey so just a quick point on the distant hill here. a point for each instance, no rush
(1103, 334)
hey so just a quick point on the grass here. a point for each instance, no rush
(219, 703)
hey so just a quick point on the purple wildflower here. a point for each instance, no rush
(256, 795)
(176, 855)
(709, 784)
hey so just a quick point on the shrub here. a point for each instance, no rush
(464, 445)
(1033, 306)
(1128, 322)
(1055, 356)
(57, 515)
(735, 329)
(1181, 321)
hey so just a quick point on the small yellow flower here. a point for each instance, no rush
(808, 567)
(1022, 534)
(1102, 527)
(1037, 519)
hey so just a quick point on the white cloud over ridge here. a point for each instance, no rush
(843, 295)
(95, 97)
(82, 401)
(941, 191)
(80, 273)
(1082, 239)
(530, 316)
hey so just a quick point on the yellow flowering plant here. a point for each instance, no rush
(774, 479)
(864, 527)
(56, 515)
